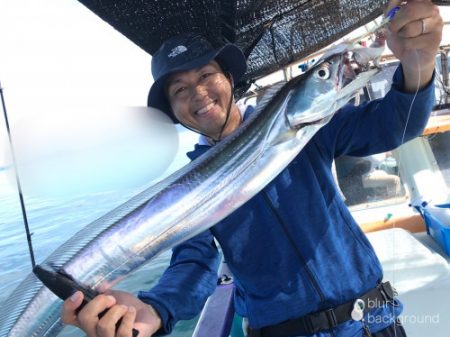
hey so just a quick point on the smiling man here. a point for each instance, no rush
(202, 98)
(302, 265)
(194, 84)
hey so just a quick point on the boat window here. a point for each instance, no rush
(439, 144)
(442, 80)
(370, 181)
(381, 83)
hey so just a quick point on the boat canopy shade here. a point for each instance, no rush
(272, 33)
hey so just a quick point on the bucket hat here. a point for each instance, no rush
(186, 52)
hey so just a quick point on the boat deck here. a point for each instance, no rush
(413, 262)
(420, 271)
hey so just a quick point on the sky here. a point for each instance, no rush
(70, 81)
(57, 52)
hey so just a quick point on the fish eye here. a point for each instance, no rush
(323, 73)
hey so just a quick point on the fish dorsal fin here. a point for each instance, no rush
(268, 95)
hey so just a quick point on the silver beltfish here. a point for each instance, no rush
(194, 198)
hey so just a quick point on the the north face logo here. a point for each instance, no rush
(177, 51)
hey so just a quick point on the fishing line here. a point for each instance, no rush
(414, 97)
(228, 110)
(399, 155)
(394, 225)
(389, 16)
(19, 188)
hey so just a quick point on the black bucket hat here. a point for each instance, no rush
(185, 52)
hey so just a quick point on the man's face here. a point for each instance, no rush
(200, 98)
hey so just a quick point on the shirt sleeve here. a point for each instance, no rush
(187, 283)
(379, 125)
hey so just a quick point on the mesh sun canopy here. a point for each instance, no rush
(272, 33)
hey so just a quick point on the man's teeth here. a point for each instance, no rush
(206, 108)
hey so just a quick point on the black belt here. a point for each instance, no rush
(327, 319)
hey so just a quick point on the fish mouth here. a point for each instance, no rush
(354, 60)
(358, 62)
(365, 59)
(356, 71)
(352, 86)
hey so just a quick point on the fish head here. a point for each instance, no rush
(328, 85)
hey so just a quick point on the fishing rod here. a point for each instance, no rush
(19, 188)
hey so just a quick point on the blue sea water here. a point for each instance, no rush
(52, 221)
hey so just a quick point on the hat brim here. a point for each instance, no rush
(230, 58)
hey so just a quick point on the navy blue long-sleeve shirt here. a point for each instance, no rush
(294, 248)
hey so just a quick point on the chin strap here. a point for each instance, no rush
(226, 119)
